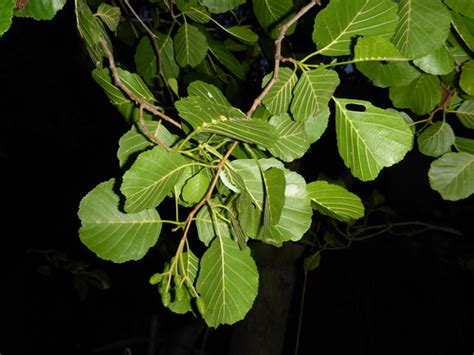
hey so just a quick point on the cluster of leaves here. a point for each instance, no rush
(228, 170)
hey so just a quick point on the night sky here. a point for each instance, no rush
(59, 136)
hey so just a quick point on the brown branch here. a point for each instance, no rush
(147, 132)
(156, 110)
(278, 57)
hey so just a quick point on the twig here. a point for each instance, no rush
(156, 110)
(147, 132)
(278, 57)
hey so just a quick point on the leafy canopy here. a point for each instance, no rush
(226, 169)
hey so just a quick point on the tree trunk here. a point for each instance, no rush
(263, 330)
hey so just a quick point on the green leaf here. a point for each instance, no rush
(312, 262)
(424, 26)
(169, 67)
(467, 77)
(227, 282)
(220, 6)
(91, 30)
(196, 187)
(185, 5)
(341, 21)
(295, 218)
(6, 15)
(390, 74)
(437, 139)
(243, 33)
(190, 46)
(438, 62)
(370, 138)
(134, 141)
(465, 113)
(275, 184)
(208, 92)
(110, 15)
(151, 177)
(226, 58)
(278, 98)
(292, 142)
(452, 175)
(464, 145)
(41, 9)
(145, 60)
(335, 201)
(465, 29)
(457, 49)
(271, 13)
(315, 126)
(312, 93)
(209, 227)
(420, 96)
(208, 117)
(377, 49)
(464, 7)
(112, 234)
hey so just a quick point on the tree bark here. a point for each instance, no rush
(263, 330)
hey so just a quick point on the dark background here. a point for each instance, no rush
(58, 140)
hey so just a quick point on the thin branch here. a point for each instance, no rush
(278, 57)
(147, 132)
(156, 110)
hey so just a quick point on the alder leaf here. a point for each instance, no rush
(369, 48)
(464, 7)
(420, 96)
(370, 138)
(190, 46)
(272, 13)
(335, 201)
(313, 92)
(452, 175)
(40, 9)
(278, 98)
(464, 144)
(151, 177)
(389, 74)
(336, 26)
(436, 139)
(112, 234)
(464, 28)
(467, 77)
(292, 142)
(437, 62)
(465, 113)
(220, 6)
(423, 27)
(227, 282)
(110, 15)
(6, 15)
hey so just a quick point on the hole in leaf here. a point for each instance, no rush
(355, 107)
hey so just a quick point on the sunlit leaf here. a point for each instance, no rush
(168, 62)
(452, 175)
(420, 96)
(279, 96)
(151, 177)
(135, 141)
(337, 25)
(227, 282)
(207, 91)
(423, 27)
(370, 138)
(335, 201)
(312, 92)
(112, 234)
(292, 142)
(243, 33)
(110, 15)
(437, 139)
(196, 187)
(376, 49)
(209, 227)
(315, 126)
